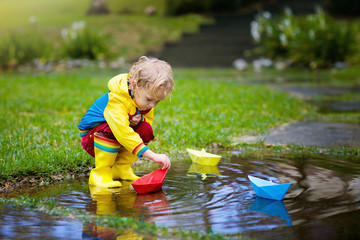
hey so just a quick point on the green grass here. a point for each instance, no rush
(203, 112)
(17, 13)
(40, 113)
(132, 34)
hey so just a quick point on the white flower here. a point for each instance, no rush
(78, 25)
(266, 15)
(283, 39)
(254, 31)
(288, 11)
(240, 64)
(265, 62)
(257, 65)
(311, 34)
(64, 33)
(286, 22)
(280, 65)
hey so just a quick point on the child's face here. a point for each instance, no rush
(144, 100)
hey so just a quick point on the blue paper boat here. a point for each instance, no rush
(269, 189)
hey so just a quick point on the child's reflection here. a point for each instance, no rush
(126, 203)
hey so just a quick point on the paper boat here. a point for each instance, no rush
(269, 189)
(151, 182)
(203, 157)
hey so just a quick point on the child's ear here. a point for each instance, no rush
(133, 85)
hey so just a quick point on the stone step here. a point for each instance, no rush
(220, 44)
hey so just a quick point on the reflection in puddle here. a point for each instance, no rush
(273, 208)
(153, 203)
(203, 171)
(220, 199)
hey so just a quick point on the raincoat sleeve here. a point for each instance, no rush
(116, 116)
(149, 117)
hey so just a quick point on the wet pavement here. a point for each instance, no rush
(309, 92)
(343, 106)
(320, 134)
(316, 133)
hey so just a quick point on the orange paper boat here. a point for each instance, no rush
(151, 182)
(203, 157)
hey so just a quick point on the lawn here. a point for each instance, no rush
(40, 113)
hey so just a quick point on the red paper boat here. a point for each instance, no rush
(151, 182)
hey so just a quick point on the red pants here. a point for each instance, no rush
(144, 129)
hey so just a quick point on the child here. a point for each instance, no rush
(117, 127)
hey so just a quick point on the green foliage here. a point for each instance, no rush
(135, 33)
(315, 40)
(17, 48)
(81, 41)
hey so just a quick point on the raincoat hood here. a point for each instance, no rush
(119, 85)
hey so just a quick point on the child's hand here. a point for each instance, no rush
(158, 158)
(162, 159)
(135, 120)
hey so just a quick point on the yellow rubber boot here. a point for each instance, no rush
(122, 166)
(106, 151)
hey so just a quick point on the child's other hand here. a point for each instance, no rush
(135, 120)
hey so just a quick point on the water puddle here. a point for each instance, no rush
(325, 194)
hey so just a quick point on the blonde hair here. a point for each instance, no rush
(153, 75)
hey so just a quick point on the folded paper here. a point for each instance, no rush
(268, 189)
(151, 182)
(202, 157)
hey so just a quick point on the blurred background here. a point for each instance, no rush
(57, 35)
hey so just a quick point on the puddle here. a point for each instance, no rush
(325, 194)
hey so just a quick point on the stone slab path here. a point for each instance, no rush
(308, 92)
(319, 134)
